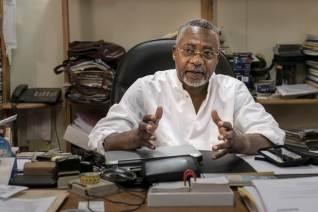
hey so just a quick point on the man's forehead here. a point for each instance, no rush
(195, 34)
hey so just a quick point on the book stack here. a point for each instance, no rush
(310, 49)
(306, 139)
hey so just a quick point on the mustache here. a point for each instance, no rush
(198, 69)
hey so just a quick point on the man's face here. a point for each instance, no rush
(196, 56)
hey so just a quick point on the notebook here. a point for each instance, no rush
(126, 158)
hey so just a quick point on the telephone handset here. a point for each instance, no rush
(18, 92)
(23, 94)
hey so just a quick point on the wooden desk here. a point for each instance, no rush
(73, 199)
(227, 164)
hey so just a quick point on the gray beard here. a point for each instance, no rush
(195, 84)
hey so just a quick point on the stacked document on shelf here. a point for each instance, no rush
(295, 90)
(293, 194)
(302, 138)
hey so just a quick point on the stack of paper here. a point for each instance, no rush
(306, 139)
(295, 90)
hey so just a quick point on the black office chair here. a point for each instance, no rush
(146, 58)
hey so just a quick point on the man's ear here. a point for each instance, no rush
(174, 52)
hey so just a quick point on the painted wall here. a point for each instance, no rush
(40, 42)
(257, 25)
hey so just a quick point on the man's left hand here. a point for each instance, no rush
(226, 134)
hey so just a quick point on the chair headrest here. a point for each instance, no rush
(145, 59)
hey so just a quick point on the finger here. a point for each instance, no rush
(148, 118)
(226, 125)
(145, 127)
(220, 153)
(229, 135)
(222, 130)
(226, 144)
(158, 113)
(220, 137)
(215, 117)
(149, 143)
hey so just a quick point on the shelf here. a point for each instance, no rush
(20, 106)
(279, 101)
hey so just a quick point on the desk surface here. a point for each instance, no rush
(72, 202)
(227, 164)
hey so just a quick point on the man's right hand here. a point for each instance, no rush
(133, 139)
(146, 129)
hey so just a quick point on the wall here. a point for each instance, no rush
(257, 25)
(40, 46)
(129, 22)
(126, 22)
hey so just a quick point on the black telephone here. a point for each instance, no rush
(23, 94)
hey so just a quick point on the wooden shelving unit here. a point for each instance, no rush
(4, 61)
(280, 101)
(21, 106)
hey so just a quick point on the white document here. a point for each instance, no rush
(76, 136)
(23, 205)
(20, 164)
(263, 166)
(7, 191)
(253, 202)
(9, 24)
(296, 89)
(8, 120)
(295, 194)
(97, 206)
(6, 165)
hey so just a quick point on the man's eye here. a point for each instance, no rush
(189, 51)
(208, 53)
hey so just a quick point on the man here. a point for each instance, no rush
(189, 105)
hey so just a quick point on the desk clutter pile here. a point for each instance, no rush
(191, 189)
(90, 68)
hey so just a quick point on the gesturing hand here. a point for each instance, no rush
(147, 128)
(226, 133)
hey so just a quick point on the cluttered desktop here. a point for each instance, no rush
(165, 178)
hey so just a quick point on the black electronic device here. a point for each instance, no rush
(120, 175)
(34, 181)
(281, 156)
(169, 169)
(23, 94)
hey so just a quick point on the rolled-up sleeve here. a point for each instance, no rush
(121, 117)
(251, 117)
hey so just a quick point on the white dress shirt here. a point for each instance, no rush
(180, 124)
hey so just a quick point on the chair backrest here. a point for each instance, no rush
(145, 59)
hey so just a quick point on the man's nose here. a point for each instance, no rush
(197, 59)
